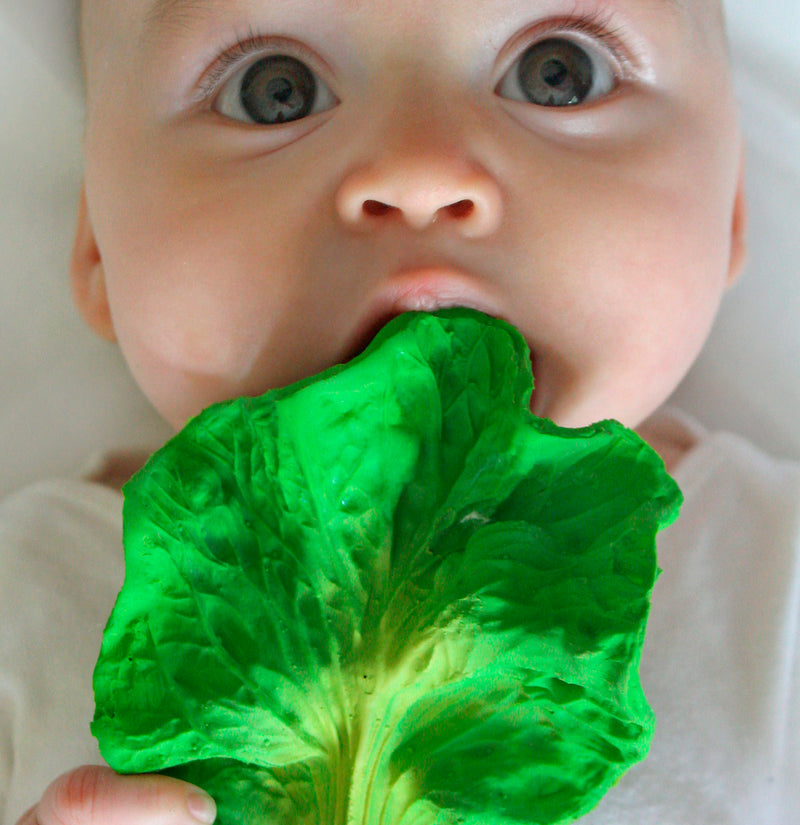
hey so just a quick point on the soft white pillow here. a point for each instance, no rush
(66, 394)
(748, 376)
(50, 28)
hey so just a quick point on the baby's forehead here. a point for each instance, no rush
(123, 22)
(161, 11)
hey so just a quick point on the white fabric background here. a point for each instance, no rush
(64, 394)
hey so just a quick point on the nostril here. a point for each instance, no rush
(461, 209)
(376, 208)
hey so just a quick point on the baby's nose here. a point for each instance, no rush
(464, 196)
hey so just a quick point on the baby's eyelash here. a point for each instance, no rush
(597, 25)
(252, 43)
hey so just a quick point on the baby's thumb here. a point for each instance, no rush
(93, 795)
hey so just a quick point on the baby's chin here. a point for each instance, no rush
(566, 396)
(672, 445)
(575, 404)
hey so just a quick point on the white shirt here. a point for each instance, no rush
(721, 664)
(60, 569)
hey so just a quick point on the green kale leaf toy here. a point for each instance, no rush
(389, 595)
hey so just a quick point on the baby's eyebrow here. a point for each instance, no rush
(166, 11)
(180, 14)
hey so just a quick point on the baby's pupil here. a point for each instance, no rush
(277, 90)
(280, 89)
(556, 72)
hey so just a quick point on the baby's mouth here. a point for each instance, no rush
(426, 289)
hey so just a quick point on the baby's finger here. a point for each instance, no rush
(95, 795)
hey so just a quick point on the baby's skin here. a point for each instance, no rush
(267, 183)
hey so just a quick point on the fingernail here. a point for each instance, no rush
(202, 807)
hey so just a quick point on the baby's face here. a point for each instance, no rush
(269, 182)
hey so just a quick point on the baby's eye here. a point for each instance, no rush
(558, 71)
(274, 89)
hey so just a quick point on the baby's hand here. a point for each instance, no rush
(93, 795)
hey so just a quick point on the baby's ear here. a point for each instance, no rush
(88, 275)
(738, 227)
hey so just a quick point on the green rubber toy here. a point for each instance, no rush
(389, 595)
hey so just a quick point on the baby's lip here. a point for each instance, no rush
(424, 289)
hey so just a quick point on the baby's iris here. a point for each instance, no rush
(278, 89)
(555, 72)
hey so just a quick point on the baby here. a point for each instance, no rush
(267, 183)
